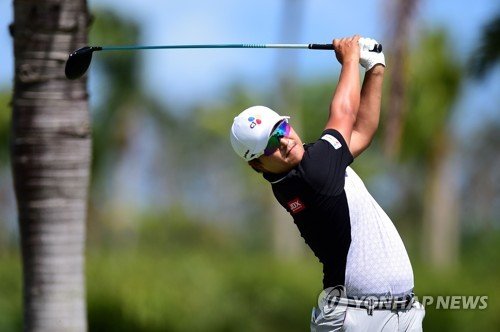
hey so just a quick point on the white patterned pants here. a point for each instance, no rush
(357, 319)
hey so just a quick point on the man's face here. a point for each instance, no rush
(287, 156)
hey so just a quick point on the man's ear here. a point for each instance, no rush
(257, 166)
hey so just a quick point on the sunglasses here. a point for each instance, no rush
(282, 130)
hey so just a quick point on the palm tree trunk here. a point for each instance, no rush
(441, 228)
(402, 16)
(50, 155)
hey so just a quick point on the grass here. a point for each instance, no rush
(200, 291)
(206, 287)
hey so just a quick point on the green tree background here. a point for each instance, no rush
(185, 252)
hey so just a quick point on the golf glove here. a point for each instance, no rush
(369, 59)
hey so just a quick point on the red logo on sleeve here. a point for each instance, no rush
(296, 205)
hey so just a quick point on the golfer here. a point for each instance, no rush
(367, 275)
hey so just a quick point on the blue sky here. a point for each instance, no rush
(184, 77)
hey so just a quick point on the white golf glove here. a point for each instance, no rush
(369, 59)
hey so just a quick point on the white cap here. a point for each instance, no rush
(251, 130)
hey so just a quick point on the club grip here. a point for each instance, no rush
(377, 48)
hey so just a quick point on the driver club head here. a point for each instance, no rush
(79, 61)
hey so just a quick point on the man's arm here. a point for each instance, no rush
(346, 99)
(371, 96)
(369, 110)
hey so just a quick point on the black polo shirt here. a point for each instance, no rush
(313, 193)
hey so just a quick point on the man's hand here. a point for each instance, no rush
(369, 59)
(347, 49)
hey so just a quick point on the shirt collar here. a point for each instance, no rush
(275, 178)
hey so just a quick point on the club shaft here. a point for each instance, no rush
(187, 46)
(377, 48)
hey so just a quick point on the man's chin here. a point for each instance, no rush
(293, 160)
(295, 155)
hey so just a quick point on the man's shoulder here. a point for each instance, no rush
(330, 141)
(324, 162)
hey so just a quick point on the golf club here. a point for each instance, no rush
(79, 61)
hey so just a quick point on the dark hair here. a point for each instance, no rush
(255, 163)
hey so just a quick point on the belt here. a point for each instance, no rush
(371, 303)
